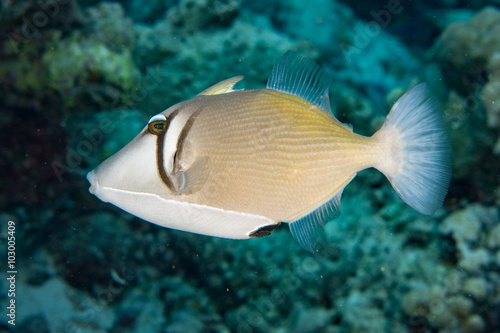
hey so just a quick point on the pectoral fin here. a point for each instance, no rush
(193, 179)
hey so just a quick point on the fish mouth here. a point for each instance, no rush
(94, 184)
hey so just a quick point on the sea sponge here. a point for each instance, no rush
(79, 68)
(464, 48)
(494, 238)
(474, 323)
(362, 305)
(477, 287)
(490, 94)
(448, 313)
(472, 260)
(468, 53)
(430, 304)
(464, 225)
(155, 43)
(106, 23)
(190, 16)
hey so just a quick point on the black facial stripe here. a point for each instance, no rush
(182, 137)
(160, 141)
(160, 144)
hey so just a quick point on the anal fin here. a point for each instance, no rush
(308, 230)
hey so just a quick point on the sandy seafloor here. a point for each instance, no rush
(80, 78)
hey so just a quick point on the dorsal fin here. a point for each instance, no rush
(222, 87)
(302, 77)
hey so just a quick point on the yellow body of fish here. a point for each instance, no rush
(271, 153)
(235, 164)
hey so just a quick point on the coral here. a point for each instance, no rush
(361, 305)
(438, 310)
(311, 320)
(465, 228)
(464, 225)
(476, 38)
(476, 76)
(468, 143)
(494, 238)
(473, 260)
(476, 287)
(80, 69)
(73, 63)
(107, 24)
(491, 90)
(95, 62)
(153, 11)
(155, 43)
(71, 311)
(190, 16)
(27, 30)
(467, 53)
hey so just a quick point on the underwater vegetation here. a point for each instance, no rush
(80, 79)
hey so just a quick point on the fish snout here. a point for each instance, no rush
(94, 184)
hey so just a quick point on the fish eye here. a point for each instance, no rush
(157, 124)
(157, 127)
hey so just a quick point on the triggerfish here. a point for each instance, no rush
(236, 163)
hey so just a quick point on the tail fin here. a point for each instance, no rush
(417, 150)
